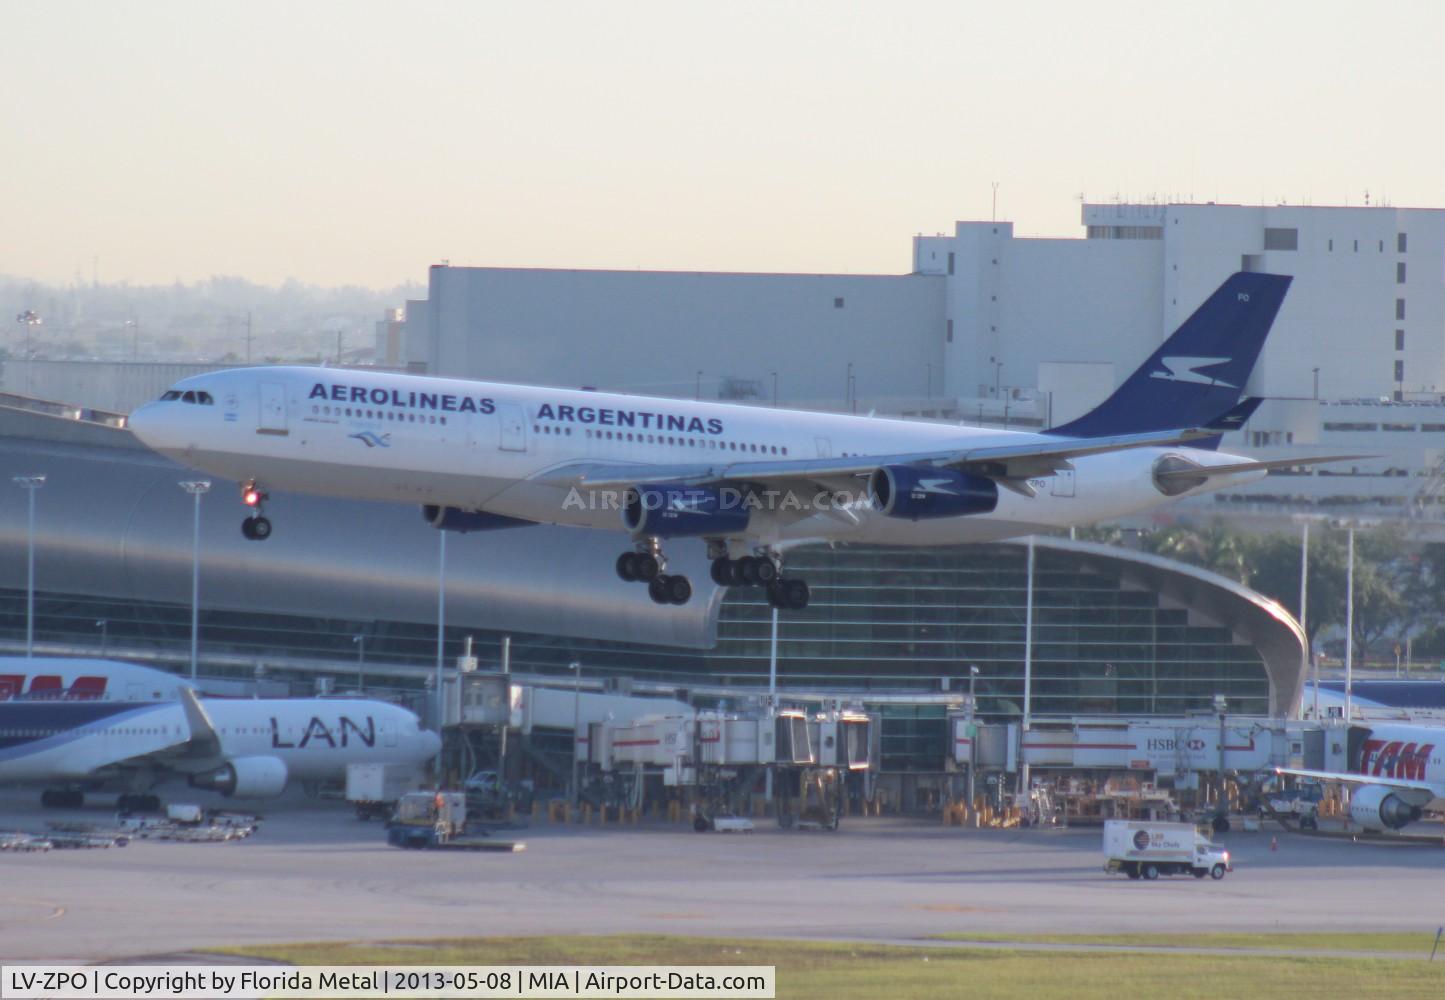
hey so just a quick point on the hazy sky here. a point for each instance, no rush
(359, 142)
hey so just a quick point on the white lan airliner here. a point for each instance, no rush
(749, 481)
(247, 748)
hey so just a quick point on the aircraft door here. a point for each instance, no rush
(1063, 483)
(273, 409)
(512, 422)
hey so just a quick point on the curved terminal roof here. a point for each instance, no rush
(1258, 620)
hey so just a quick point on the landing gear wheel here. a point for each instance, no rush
(678, 589)
(765, 572)
(646, 566)
(257, 528)
(746, 571)
(795, 594)
(722, 572)
(657, 590)
(627, 567)
(776, 595)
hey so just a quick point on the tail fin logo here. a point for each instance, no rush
(1187, 369)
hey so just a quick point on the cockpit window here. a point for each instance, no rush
(189, 396)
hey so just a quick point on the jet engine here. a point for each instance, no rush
(245, 778)
(669, 510)
(920, 491)
(456, 519)
(1375, 807)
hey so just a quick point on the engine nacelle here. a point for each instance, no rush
(920, 491)
(245, 778)
(456, 519)
(1375, 807)
(669, 510)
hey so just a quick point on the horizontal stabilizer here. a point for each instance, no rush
(1234, 419)
(1206, 471)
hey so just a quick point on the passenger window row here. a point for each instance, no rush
(392, 415)
(667, 439)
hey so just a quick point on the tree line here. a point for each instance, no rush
(1399, 596)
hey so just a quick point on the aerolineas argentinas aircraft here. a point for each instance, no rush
(247, 748)
(747, 480)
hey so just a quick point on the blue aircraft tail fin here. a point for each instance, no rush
(1198, 375)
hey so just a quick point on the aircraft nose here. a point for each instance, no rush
(142, 422)
(431, 743)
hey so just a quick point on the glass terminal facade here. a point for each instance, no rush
(880, 619)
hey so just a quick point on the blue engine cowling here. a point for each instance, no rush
(455, 519)
(920, 491)
(669, 510)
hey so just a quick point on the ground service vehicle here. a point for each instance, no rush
(375, 788)
(1148, 850)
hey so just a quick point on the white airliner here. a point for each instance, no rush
(747, 480)
(85, 679)
(247, 748)
(1400, 770)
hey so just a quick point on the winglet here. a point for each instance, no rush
(204, 741)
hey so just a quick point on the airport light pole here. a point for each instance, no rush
(197, 488)
(1304, 597)
(576, 667)
(973, 733)
(1028, 663)
(360, 640)
(441, 623)
(30, 484)
(772, 693)
(1349, 618)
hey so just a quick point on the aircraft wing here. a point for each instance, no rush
(1004, 458)
(199, 743)
(1365, 779)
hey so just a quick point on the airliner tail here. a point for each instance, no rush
(1198, 375)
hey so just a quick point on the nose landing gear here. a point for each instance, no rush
(256, 526)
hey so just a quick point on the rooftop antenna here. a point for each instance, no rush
(993, 215)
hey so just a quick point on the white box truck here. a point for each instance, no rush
(1148, 850)
(375, 788)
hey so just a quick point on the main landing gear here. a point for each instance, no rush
(256, 526)
(788, 593)
(647, 566)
